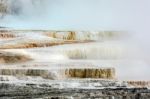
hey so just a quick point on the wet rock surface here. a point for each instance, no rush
(108, 73)
(105, 73)
(8, 57)
(46, 91)
(37, 88)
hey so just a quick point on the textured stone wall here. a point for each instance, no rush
(106, 73)
(91, 73)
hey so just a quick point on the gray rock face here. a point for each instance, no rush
(38, 88)
(47, 91)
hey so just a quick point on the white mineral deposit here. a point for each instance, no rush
(74, 49)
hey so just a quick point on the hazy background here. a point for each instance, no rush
(82, 14)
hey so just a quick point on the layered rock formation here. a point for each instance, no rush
(6, 34)
(84, 35)
(68, 90)
(139, 83)
(106, 73)
(39, 65)
(91, 73)
(28, 41)
(8, 57)
(3, 36)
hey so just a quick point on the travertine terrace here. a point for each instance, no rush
(36, 64)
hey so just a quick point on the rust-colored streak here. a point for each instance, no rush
(39, 44)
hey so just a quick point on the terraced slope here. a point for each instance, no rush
(66, 65)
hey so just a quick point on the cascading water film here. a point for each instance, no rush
(74, 49)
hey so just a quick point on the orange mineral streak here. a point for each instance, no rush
(140, 84)
(5, 35)
(38, 44)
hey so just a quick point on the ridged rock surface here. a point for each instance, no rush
(63, 90)
(8, 57)
(92, 73)
(108, 73)
(6, 35)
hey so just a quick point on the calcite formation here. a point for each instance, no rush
(63, 65)
(91, 73)
(30, 42)
(6, 35)
(8, 57)
(139, 83)
(83, 35)
(105, 73)
(36, 44)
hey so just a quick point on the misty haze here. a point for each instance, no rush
(83, 44)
